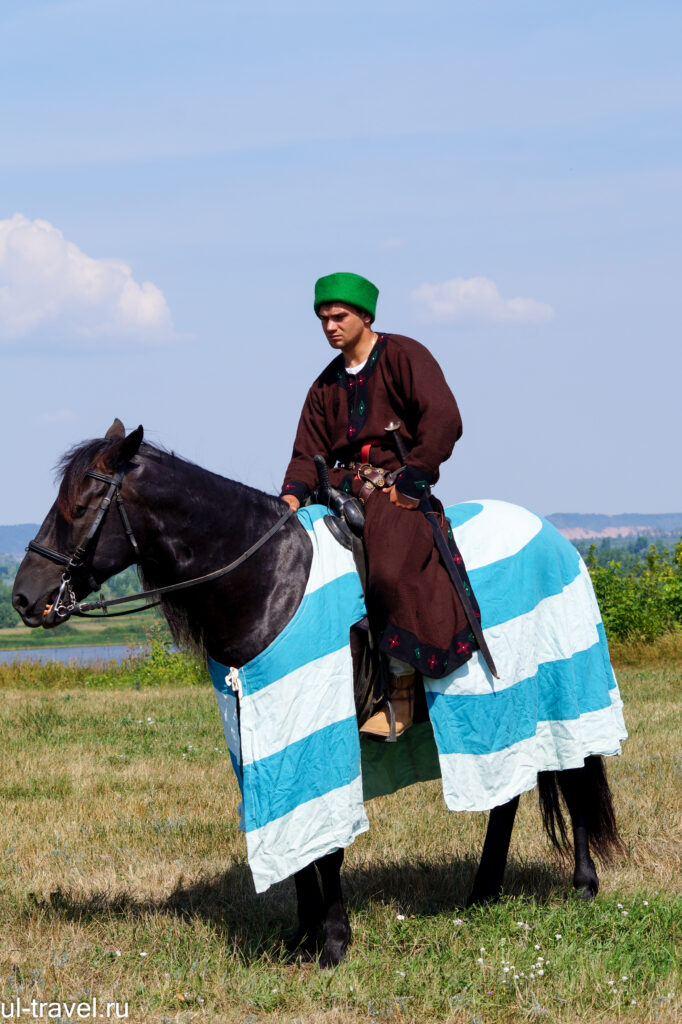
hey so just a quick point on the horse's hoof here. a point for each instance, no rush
(336, 942)
(586, 885)
(302, 945)
(586, 890)
(332, 955)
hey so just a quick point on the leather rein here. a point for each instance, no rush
(81, 560)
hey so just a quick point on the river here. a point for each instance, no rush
(83, 655)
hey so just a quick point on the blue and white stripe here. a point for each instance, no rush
(295, 746)
(296, 749)
(556, 700)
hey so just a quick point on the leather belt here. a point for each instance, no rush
(373, 479)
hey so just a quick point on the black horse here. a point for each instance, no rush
(178, 521)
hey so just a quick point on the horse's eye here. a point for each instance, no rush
(78, 511)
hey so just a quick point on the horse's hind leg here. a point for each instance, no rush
(488, 881)
(573, 783)
(336, 925)
(310, 912)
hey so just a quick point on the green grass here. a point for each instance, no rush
(76, 632)
(120, 838)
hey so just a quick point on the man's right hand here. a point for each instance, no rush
(292, 501)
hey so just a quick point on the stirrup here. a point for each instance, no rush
(383, 725)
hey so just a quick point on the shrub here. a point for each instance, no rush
(641, 602)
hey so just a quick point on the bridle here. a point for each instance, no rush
(81, 559)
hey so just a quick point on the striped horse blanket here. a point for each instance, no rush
(289, 716)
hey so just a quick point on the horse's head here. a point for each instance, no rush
(83, 540)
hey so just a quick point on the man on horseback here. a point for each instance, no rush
(375, 379)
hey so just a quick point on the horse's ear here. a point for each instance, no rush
(122, 451)
(116, 430)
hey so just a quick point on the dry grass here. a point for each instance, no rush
(120, 838)
(663, 652)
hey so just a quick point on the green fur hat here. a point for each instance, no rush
(352, 288)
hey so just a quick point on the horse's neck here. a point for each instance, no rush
(196, 522)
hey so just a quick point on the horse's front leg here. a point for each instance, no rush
(488, 881)
(310, 912)
(336, 925)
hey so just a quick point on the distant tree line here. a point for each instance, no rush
(630, 552)
(127, 582)
(638, 586)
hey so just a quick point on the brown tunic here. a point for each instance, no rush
(410, 596)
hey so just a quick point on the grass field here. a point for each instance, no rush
(123, 875)
(126, 630)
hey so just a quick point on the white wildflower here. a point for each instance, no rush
(401, 917)
(540, 972)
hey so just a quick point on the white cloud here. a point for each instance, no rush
(478, 298)
(49, 287)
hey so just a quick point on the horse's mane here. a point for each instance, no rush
(71, 470)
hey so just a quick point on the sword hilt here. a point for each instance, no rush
(393, 429)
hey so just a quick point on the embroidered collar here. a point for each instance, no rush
(356, 387)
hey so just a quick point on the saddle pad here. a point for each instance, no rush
(289, 716)
(556, 701)
(289, 720)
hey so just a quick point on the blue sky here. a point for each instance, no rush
(173, 178)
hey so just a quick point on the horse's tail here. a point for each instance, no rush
(590, 789)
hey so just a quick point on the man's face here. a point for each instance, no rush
(343, 325)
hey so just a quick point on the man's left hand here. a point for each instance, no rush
(402, 500)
